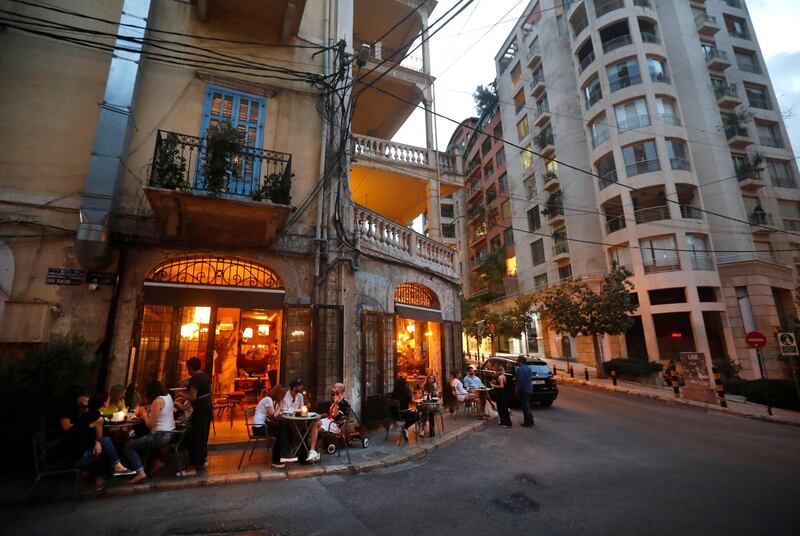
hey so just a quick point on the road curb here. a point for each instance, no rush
(306, 471)
(674, 401)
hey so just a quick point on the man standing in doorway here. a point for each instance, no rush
(524, 386)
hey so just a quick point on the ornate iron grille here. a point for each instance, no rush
(416, 294)
(216, 271)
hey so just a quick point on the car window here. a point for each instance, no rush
(539, 369)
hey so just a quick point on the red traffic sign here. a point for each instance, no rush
(756, 339)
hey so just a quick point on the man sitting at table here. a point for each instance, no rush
(292, 403)
(471, 380)
(337, 413)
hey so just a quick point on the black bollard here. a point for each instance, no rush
(720, 388)
(555, 370)
(586, 373)
(614, 378)
(571, 372)
(676, 390)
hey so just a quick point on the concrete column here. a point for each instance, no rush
(701, 340)
(649, 328)
(434, 219)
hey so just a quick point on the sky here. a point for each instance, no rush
(462, 56)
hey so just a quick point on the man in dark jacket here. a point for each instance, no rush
(524, 386)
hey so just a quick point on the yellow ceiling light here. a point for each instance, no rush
(263, 329)
(190, 330)
(202, 315)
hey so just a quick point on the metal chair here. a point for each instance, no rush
(253, 439)
(395, 418)
(45, 467)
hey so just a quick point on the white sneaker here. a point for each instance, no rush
(313, 456)
(288, 460)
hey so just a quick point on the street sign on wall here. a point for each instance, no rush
(756, 339)
(64, 276)
(696, 378)
(787, 342)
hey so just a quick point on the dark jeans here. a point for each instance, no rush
(149, 441)
(430, 416)
(198, 432)
(409, 417)
(94, 464)
(525, 402)
(501, 399)
(278, 433)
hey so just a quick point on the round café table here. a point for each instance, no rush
(427, 407)
(302, 428)
(483, 392)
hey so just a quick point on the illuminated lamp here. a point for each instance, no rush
(676, 335)
(202, 315)
(247, 334)
(189, 330)
(411, 328)
(263, 329)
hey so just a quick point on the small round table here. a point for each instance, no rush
(302, 435)
(427, 407)
(483, 392)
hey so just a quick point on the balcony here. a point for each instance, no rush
(534, 56)
(643, 166)
(691, 212)
(600, 136)
(702, 262)
(476, 212)
(585, 61)
(651, 214)
(622, 82)
(385, 237)
(189, 204)
(791, 224)
(542, 115)
(749, 178)
(771, 141)
(716, 59)
(603, 7)
(727, 96)
(545, 141)
(551, 181)
(615, 224)
(739, 34)
(617, 42)
(592, 97)
(608, 179)
(738, 137)
(537, 84)
(643, 3)
(670, 119)
(783, 182)
(554, 214)
(633, 122)
(666, 263)
(758, 219)
(706, 25)
(560, 251)
(762, 103)
(680, 164)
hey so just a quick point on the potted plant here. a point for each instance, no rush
(223, 150)
(553, 204)
(735, 123)
(169, 166)
(550, 175)
(276, 188)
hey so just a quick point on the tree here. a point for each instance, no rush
(493, 268)
(515, 320)
(473, 319)
(485, 98)
(577, 309)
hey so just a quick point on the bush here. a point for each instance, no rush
(33, 386)
(782, 392)
(632, 368)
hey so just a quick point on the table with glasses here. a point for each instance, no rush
(483, 392)
(425, 407)
(301, 424)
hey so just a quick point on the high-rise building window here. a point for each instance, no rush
(640, 158)
(677, 155)
(448, 230)
(519, 100)
(659, 254)
(780, 173)
(502, 183)
(624, 74)
(522, 128)
(700, 252)
(500, 157)
(747, 60)
(526, 157)
(632, 115)
(534, 219)
(516, 74)
(592, 92)
(599, 128)
(667, 111)
(736, 26)
(565, 272)
(540, 281)
(508, 235)
(607, 168)
(657, 69)
(537, 252)
(447, 210)
(505, 209)
(758, 96)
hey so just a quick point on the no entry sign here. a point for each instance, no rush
(756, 339)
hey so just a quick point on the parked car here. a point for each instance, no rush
(545, 388)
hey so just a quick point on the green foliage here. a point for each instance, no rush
(632, 368)
(473, 313)
(33, 386)
(782, 393)
(554, 203)
(493, 268)
(276, 188)
(223, 150)
(170, 165)
(485, 98)
(512, 322)
(727, 367)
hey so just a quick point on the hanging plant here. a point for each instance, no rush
(169, 167)
(276, 187)
(223, 152)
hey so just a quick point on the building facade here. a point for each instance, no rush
(215, 204)
(656, 143)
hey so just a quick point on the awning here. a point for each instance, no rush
(207, 296)
(417, 313)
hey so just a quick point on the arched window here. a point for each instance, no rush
(416, 294)
(215, 271)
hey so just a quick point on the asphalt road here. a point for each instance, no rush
(596, 463)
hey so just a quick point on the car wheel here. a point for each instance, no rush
(547, 403)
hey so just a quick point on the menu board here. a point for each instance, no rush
(696, 378)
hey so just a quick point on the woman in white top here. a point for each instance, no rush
(461, 394)
(265, 421)
(160, 418)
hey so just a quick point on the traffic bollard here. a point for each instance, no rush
(720, 388)
(586, 374)
(555, 370)
(571, 372)
(614, 378)
(676, 390)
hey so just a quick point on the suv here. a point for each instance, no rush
(545, 389)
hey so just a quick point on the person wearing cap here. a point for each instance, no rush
(292, 403)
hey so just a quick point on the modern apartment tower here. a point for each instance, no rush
(655, 141)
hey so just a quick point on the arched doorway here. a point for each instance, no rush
(227, 311)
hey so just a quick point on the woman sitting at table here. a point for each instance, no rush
(161, 422)
(402, 393)
(461, 394)
(92, 447)
(116, 401)
(430, 388)
(265, 421)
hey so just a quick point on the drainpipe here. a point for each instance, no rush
(112, 140)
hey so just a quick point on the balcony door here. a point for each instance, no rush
(247, 114)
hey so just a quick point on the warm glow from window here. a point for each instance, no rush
(511, 266)
(190, 330)
(202, 315)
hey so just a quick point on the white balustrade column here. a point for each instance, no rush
(434, 208)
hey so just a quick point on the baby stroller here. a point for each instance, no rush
(350, 429)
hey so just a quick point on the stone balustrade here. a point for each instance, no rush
(386, 237)
(407, 155)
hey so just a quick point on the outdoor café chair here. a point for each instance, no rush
(252, 439)
(395, 418)
(46, 467)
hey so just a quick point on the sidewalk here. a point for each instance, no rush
(736, 405)
(223, 461)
